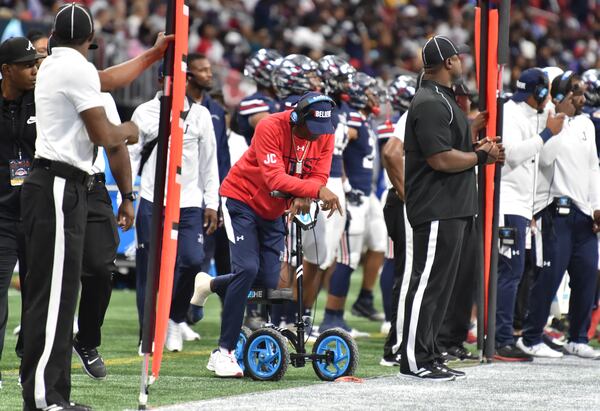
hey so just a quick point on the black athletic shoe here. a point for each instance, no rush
(430, 372)
(460, 353)
(390, 361)
(364, 308)
(92, 362)
(512, 353)
(459, 375)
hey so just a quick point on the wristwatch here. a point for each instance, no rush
(131, 196)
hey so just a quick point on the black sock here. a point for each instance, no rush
(365, 294)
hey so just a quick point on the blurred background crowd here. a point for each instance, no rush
(379, 37)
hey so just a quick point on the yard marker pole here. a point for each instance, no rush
(481, 43)
(492, 95)
(154, 253)
(172, 207)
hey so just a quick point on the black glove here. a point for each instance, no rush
(354, 197)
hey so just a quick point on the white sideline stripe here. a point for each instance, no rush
(408, 263)
(227, 221)
(418, 300)
(58, 192)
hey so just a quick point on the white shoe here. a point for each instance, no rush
(174, 341)
(201, 289)
(224, 364)
(354, 333)
(581, 350)
(538, 350)
(187, 333)
(17, 330)
(385, 328)
(75, 326)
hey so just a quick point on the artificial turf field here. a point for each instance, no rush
(184, 376)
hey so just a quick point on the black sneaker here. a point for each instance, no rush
(460, 353)
(390, 360)
(92, 362)
(364, 308)
(512, 353)
(459, 375)
(429, 372)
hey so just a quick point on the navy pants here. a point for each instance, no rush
(511, 264)
(190, 255)
(568, 243)
(256, 249)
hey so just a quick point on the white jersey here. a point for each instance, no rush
(521, 138)
(399, 131)
(112, 114)
(569, 167)
(200, 173)
(67, 84)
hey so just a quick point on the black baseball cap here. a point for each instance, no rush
(18, 50)
(439, 48)
(73, 22)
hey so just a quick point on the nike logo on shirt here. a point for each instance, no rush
(31, 120)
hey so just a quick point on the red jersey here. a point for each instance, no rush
(272, 162)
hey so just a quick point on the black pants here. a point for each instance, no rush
(393, 212)
(54, 214)
(438, 248)
(216, 246)
(11, 244)
(457, 321)
(100, 252)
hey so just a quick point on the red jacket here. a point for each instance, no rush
(270, 160)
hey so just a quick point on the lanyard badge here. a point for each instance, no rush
(19, 170)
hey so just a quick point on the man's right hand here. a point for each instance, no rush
(162, 42)
(491, 148)
(555, 122)
(330, 202)
(131, 131)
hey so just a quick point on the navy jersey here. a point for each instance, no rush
(218, 119)
(340, 123)
(290, 102)
(594, 114)
(253, 104)
(359, 155)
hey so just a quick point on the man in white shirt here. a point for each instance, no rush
(100, 249)
(199, 202)
(567, 206)
(70, 120)
(527, 127)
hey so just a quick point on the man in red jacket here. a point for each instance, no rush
(290, 152)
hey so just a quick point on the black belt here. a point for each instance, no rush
(66, 171)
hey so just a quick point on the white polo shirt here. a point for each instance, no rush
(113, 116)
(399, 131)
(66, 85)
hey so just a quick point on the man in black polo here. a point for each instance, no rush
(441, 202)
(18, 59)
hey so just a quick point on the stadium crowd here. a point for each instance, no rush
(358, 65)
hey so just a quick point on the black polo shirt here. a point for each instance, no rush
(17, 133)
(436, 124)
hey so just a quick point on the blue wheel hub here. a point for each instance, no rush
(239, 349)
(264, 356)
(341, 356)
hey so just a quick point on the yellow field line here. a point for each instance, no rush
(132, 360)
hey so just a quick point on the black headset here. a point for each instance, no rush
(541, 89)
(300, 112)
(563, 84)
